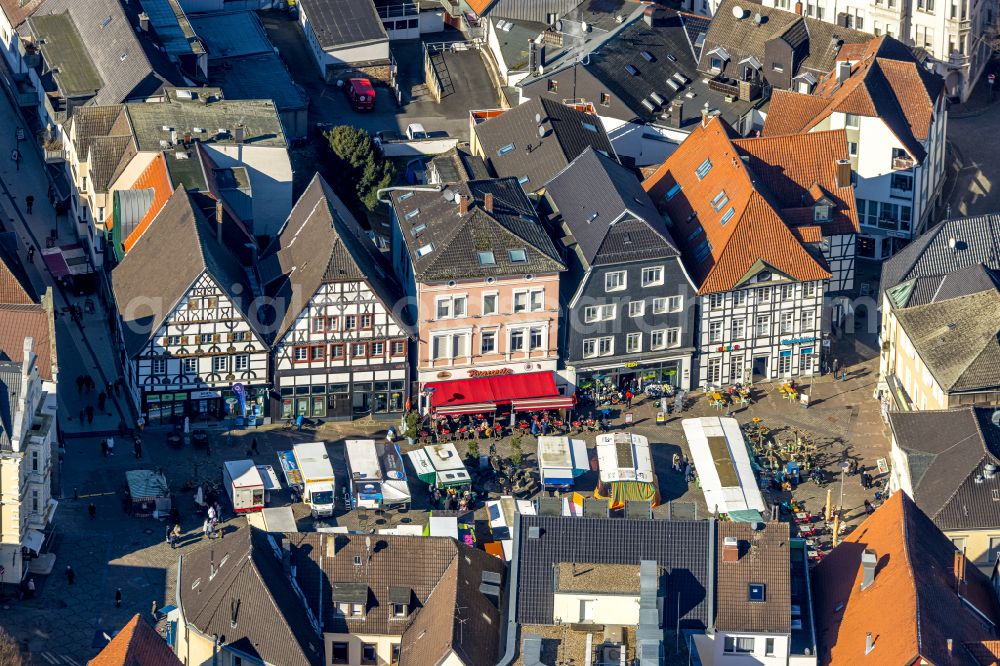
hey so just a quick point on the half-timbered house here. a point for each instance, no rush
(340, 342)
(761, 222)
(188, 322)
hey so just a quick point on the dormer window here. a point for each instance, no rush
(399, 600)
(821, 212)
(400, 610)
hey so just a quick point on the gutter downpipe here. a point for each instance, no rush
(511, 633)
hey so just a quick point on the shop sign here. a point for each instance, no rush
(632, 364)
(725, 348)
(495, 372)
(445, 375)
(205, 395)
(796, 341)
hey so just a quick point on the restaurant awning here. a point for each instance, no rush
(471, 408)
(498, 390)
(555, 402)
(33, 540)
(66, 260)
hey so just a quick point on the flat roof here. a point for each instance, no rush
(231, 34)
(172, 27)
(259, 76)
(66, 55)
(339, 23)
(607, 578)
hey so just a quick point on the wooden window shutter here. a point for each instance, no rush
(166, 341)
(216, 337)
(184, 339)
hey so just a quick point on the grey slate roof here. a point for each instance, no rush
(179, 246)
(957, 339)
(231, 34)
(10, 388)
(259, 117)
(340, 23)
(567, 134)
(133, 76)
(320, 243)
(455, 239)
(457, 165)
(272, 623)
(814, 42)
(977, 241)
(66, 55)
(260, 76)
(681, 547)
(935, 288)
(946, 453)
(605, 209)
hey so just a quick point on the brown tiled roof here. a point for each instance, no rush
(985, 653)
(15, 285)
(18, 322)
(911, 609)
(137, 644)
(764, 560)
(755, 231)
(886, 82)
(447, 610)
(18, 10)
(107, 157)
(92, 121)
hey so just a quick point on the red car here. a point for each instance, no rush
(362, 94)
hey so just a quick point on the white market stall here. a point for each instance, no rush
(244, 485)
(377, 475)
(149, 493)
(278, 519)
(560, 461)
(441, 466)
(722, 461)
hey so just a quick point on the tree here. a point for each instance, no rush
(360, 168)
(10, 651)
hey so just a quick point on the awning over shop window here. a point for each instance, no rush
(499, 390)
(33, 541)
(471, 408)
(555, 402)
(66, 260)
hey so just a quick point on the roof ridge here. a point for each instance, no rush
(909, 564)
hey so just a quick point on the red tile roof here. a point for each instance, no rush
(14, 287)
(756, 230)
(911, 609)
(18, 322)
(18, 10)
(155, 176)
(137, 644)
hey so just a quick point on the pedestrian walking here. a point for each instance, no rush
(207, 528)
(137, 447)
(118, 598)
(211, 512)
(79, 384)
(31, 587)
(675, 463)
(104, 447)
(253, 447)
(869, 509)
(92, 510)
(29, 203)
(175, 535)
(111, 446)
(70, 575)
(836, 366)
(628, 399)
(31, 254)
(102, 398)
(843, 375)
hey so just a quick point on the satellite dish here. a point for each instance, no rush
(538, 119)
(996, 418)
(449, 195)
(368, 543)
(559, 26)
(541, 131)
(737, 12)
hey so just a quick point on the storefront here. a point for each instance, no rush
(383, 399)
(530, 391)
(635, 375)
(200, 405)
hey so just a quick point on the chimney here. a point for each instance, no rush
(869, 643)
(704, 115)
(959, 572)
(843, 173)
(187, 138)
(240, 135)
(286, 556)
(730, 549)
(218, 220)
(144, 21)
(868, 562)
(843, 70)
(463, 204)
(798, 8)
(676, 113)
(488, 202)
(951, 646)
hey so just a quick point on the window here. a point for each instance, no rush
(319, 324)
(598, 347)
(173, 340)
(714, 371)
(659, 305)
(350, 322)
(518, 255)
(523, 180)
(535, 338)
(594, 313)
(159, 366)
(636, 308)
(738, 645)
(808, 320)
(399, 610)
(672, 192)
(614, 281)
(377, 349)
(529, 301)
(738, 329)
(205, 338)
(220, 363)
(808, 289)
(741, 297)
(490, 304)
(763, 327)
(652, 276)
(241, 336)
(486, 258)
(369, 653)
(590, 127)
(763, 294)
(241, 361)
(769, 642)
(787, 292)
(317, 353)
(703, 169)
(702, 251)
(665, 338)
(756, 592)
(190, 366)
(537, 298)
(359, 350)
(821, 213)
(341, 653)
(449, 307)
(337, 352)
(720, 200)
(394, 654)
(487, 342)
(736, 368)
(553, 86)
(504, 150)
(633, 343)
(776, 66)
(727, 216)
(901, 181)
(398, 347)
(852, 148)
(852, 121)
(715, 331)
(605, 99)
(300, 354)
(516, 341)
(717, 64)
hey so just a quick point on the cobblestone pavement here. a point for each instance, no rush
(115, 550)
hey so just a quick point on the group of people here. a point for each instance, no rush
(682, 465)
(211, 527)
(86, 384)
(451, 499)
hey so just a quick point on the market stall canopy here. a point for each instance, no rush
(561, 459)
(466, 396)
(440, 465)
(33, 541)
(145, 484)
(626, 470)
(720, 456)
(66, 260)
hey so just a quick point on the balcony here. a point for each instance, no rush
(902, 163)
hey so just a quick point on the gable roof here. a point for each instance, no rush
(249, 582)
(708, 167)
(67, 59)
(137, 644)
(957, 339)
(946, 452)
(567, 133)
(764, 559)
(977, 241)
(321, 243)
(609, 215)
(440, 577)
(886, 82)
(341, 23)
(155, 178)
(10, 392)
(179, 246)
(911, 609)
(15, 284)
(34, 320)
(427, 219)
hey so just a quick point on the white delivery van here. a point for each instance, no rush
(307, 468)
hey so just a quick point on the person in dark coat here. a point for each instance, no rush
(92, 510)
(118, 598)
(104, 448)
(70, 575)
(90, 414)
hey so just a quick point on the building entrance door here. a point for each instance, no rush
(760, 364)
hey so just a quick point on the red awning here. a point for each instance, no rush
(55, 262)
(471, 408)
(501, 390)
(555, 402)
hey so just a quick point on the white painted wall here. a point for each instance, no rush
(759, 657)
(608, 608)
(270, 179)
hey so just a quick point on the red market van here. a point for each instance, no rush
(362, 94)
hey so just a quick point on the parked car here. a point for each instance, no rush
(383, 136)
(361, 93)
(415, 131)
